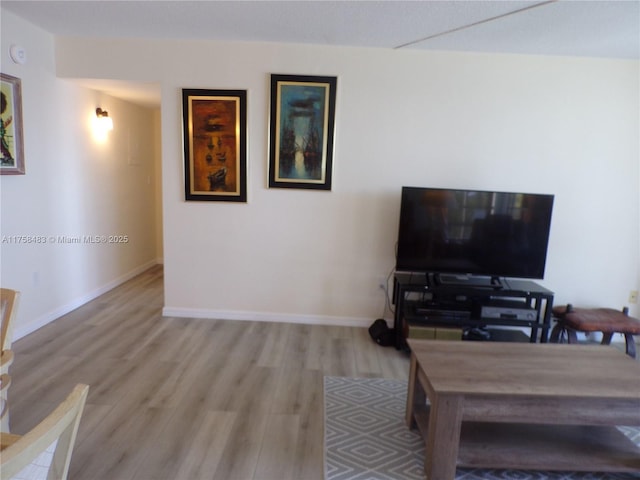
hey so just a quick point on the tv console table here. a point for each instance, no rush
(423, 301)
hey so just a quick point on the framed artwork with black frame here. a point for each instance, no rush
(12, 146)
(301, 136)
(215, 144)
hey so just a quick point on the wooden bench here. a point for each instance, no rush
(606, 320)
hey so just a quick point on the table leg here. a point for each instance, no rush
(606, 338)
(411, 389)
(630, 345)
(557, 333)
(443, 438)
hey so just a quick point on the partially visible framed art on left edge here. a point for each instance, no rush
(12, 154)
(302, 131)
(215, 144)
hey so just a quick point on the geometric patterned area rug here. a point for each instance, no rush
(366, 437)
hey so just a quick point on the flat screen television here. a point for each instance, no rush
(473, 233)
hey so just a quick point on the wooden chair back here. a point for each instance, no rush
(48, 445)
(8, 306)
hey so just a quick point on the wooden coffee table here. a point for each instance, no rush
(523, 406)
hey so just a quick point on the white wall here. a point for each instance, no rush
(565, 126)
(157, 197)
(75, 186)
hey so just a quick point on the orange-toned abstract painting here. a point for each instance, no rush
(215, 144)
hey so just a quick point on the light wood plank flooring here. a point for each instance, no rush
(175, 398)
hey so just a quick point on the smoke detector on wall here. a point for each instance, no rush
(18, 54)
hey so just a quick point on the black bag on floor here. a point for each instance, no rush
(381, 333)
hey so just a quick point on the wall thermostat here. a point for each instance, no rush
(18, 54)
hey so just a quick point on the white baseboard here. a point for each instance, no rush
(24, 330)
(266, 317)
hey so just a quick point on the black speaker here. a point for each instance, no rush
(381, 333)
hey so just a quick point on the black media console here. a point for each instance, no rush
(471, 305)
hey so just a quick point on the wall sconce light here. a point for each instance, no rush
(104, 120)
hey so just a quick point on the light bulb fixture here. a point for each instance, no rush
(104, 119)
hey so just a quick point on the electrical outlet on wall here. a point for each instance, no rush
(633, 296)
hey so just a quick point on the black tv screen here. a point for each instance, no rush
(494, 234)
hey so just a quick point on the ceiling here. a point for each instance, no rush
(605, 29)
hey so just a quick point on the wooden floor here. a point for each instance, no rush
(182, 399)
